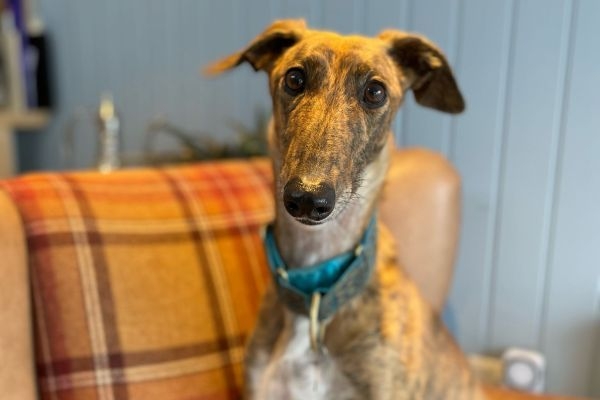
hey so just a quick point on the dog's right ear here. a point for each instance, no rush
(265, 49)
(431, 78)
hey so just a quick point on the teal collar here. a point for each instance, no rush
(336, 280)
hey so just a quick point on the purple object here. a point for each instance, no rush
(28, 66)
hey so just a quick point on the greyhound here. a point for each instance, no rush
(342, 320)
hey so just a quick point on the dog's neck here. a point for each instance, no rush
(302, 245)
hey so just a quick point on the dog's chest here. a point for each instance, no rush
(296, 372)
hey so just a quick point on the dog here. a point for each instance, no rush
(342, 320)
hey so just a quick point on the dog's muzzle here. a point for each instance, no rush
(310, 204)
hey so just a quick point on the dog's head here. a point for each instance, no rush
(334, 98)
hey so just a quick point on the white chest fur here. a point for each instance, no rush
(295, 372)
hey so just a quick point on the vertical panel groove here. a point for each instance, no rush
(274, 9)
(558, 139)
(410, 17)
(359, 16)
(398, 123)
(497, 187)
(316, 12)
(457, 34)
(238, 34)
(64, 96)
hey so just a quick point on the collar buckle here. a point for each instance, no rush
(358, 250)
(282, 273)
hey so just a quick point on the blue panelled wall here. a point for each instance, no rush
(528, 148)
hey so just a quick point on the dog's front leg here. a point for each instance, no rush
(262, 342)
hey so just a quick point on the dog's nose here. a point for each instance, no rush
(314, 202)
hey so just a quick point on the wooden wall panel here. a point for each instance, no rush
(526, 177)
(571, 325)
(475, 151)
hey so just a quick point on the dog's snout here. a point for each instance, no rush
(311, 202)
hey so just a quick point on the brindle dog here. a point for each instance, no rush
(334, 98)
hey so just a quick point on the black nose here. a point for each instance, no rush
(307, 201)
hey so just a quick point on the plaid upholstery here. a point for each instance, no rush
(145, 282)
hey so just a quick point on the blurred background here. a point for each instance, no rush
(528, 146)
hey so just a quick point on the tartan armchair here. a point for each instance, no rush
(144, 284)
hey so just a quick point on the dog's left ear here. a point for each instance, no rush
(429, 75)
(265, 49)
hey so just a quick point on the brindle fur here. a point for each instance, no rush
(386, 343)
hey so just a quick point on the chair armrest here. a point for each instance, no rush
(421, 207)
(17, 379)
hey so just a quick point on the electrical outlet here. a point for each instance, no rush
(524, 370)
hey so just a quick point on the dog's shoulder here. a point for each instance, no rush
(404, 315)
(392, 280)
(415, 331)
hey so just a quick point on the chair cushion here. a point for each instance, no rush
(145, 282)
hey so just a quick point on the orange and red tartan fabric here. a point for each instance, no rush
(145, 282)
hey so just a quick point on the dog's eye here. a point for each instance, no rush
(294, 81)
(375, 94)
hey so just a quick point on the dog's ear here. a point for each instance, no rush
(429, 75)
(264, 50)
